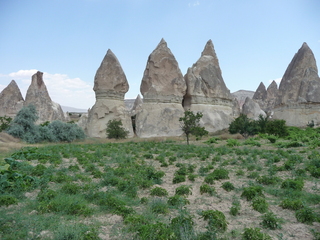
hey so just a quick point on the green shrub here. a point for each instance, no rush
(144, 200)
(216, 220)
(235, 208)
(6, 200)
(306, 215)
(179, 179)
(252, 142)
(270, 221)
(116, 130)
(192, 177)
(233, 142)
(260, 204)
(38, 170)
(157, 230)
(159, 206)
(183, 190)
(182, 225)
(243, 125)
(251, 192)
(158, 191)
(254, 234)
(268, 180)
(177, 201)
(5, 123)
(296, 184)
(70, 188)
(277, 127)
(228, 186)
(272, 138)
(220, 173)
(205, 188)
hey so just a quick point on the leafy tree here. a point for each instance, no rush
(190, 124)
(116, 130)
(4, 123)
(277, 127)
(243, 125)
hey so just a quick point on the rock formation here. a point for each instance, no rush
(252, 109)
(207, 92)
(260, 96)
(11, 100)
(298, 100)
(37, 95)
(300, 80)
(110, 86)
(241, 96)
(163, 88)
(137, 106)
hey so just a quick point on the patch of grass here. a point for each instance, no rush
(6, 200)
(254, 234)
(159, 206)
(294, 184)
(305, 215)
(235, 208)
(292, 204)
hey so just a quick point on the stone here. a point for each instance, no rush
(137, 106)
(162, 79)
(252, 109)
(163, 88)
(38, 95)
(11, 100)
(300, 79)
(241, 96)
(207, 92)
(260, 93)
(272, 90)
(110, 86)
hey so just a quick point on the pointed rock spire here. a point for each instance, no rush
(272, 90)
(261, 92)
(110, 80)
(11, 100)
(162, 78)
(296, 80)
(38, 95)
(209, 50)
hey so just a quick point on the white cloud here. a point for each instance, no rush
(66, 91)
(194, 4)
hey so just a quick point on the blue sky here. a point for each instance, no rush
(255, 40)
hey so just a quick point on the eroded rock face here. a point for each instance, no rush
(163, 88)
(11, 100)
(110, 86)
(300, 80)
(207, 92)
(252, 109)
(162, 79)
(137, 106)
(261, 93)
(37, 95)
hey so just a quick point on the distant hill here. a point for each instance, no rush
(241, 96)
(72, 109)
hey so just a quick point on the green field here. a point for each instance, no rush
(210, 189)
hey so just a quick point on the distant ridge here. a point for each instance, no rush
(72, 109)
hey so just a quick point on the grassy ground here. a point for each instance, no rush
(217, 188)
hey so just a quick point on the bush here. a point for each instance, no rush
(243, 125)
(232, 142)
(5, 123)
(216, 220)
(158, 191)
(115, 129)
(291, 204)
(228, 186)
(277, 127)
(179, 179)
(251, 192)
(235, 208)
(254, 234)
(184, 190)
(305, 215)
(6, 200)
(177, 201)
(260, 204)
(205, 188)
(270, 221)
(296, 184)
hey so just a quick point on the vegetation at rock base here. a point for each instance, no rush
(125, 190)
(5, 123)
(23, 126)
(190, 125)
(116, 130)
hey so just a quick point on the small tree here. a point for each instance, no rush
(243, 125)
(116, 130)
(190, 124)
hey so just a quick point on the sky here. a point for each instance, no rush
(254, 40)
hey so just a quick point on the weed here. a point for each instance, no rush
(183, 190)
(254, 234)
(292, 204)
(144, 200)
(179, 179)
(251, 192)
(159, 206)
(305, 215)
(70, 188)
(192, 177)
(228, 186)
(177, 201)
(270, 221)
(216, 220)
(6, 200)
(260, 204)
(158, 191)
(220, 173)
(268, 180)
(239, 172)
(296, 184)
(205, 188)
(232, 142)
(235, 208)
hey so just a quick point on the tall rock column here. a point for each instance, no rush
(110, 86)
(11, 100)
(207, 92)
(298, 100)
(163, 88)
(38, 95)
